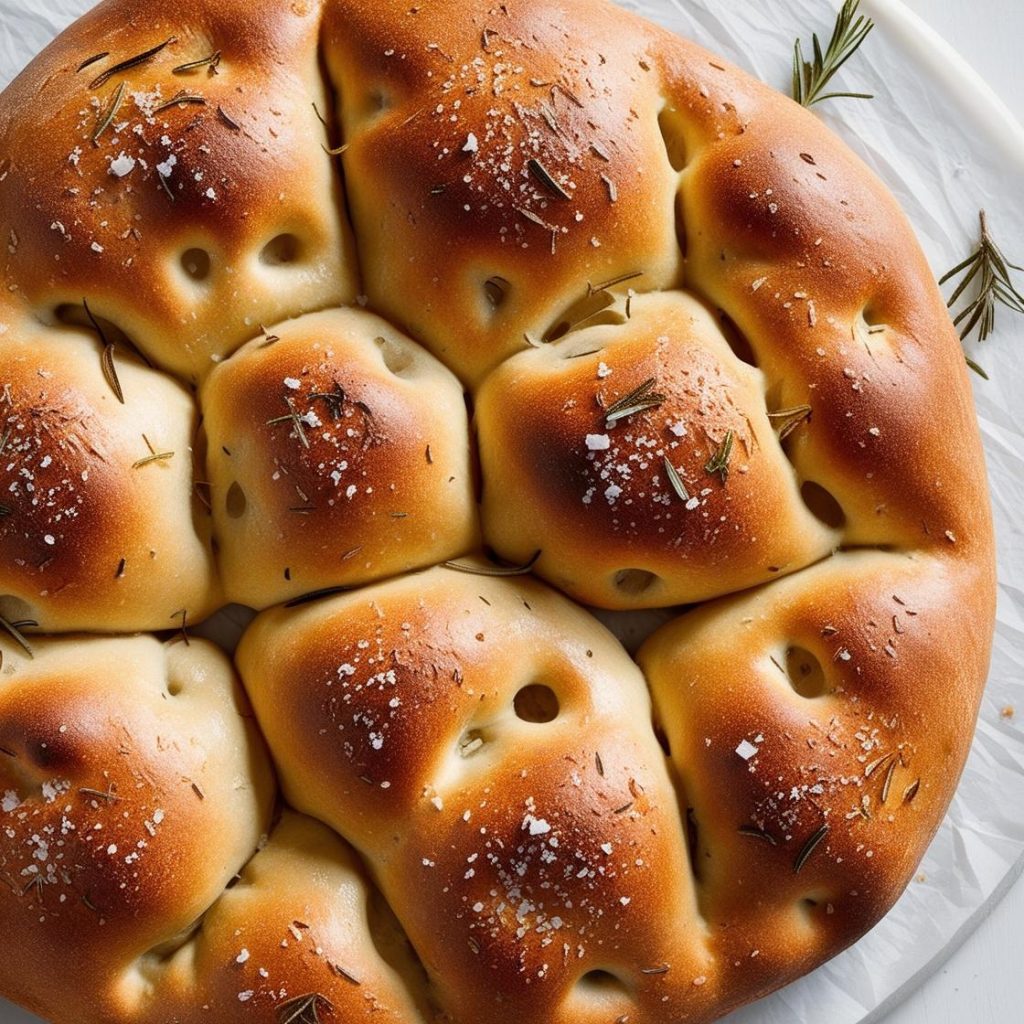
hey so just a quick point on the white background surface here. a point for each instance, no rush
(983, 983)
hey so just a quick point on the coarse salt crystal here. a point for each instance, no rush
(242, 957)
(598, 442)
(472, 144)
(291, 382)
(746, 750)
(121, 165)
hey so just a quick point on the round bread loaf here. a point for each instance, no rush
(307, 299)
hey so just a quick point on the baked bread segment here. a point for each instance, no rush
(301, 936)
(640, 460)
(815, 263)
(816, 770)
(102, 528)
(338, 454)
(185, 224)
(499, 157)
(132, 791)
(486, 746)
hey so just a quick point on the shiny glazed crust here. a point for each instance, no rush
(331, 293)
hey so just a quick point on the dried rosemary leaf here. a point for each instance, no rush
(676, 480)
(154, 457)
(110, 371)
(719, 462)
(785, 421)
(131, 62)
(179, 99)
(604, 286)
(14, 630)
(497, 570)
(757, 833)
(809, 847)
(89, 61)
(541, 173)
(228, 120)
(108, 114)
(638, 400)
(304, 1009)
(212, 61)
(887, 784)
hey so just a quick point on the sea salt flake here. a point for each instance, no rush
(746, 750)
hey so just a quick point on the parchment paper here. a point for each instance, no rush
(946, 148)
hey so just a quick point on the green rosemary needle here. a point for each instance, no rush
(811, 78)
(992, 269)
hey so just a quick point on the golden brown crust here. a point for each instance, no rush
(594, 493)
(486, 746)
(185, 225)
(133, 789)
(456, 118)
(101, 527)
(561, 216)
(339, 454)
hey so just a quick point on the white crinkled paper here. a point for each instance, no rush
(946, 148)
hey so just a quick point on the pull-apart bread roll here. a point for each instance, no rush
(437, 334)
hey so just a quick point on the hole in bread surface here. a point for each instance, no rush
(671, 125)
(496, 291)
(823, 505)
(196, 264)
(536, 703)
(397, 358)
(235, 503)
(806, 674)
(634, 582)
(601, 982)
(281, 250)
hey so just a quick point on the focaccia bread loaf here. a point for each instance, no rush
(451, 324)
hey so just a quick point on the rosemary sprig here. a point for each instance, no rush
(992, 268)
(497, 570)
(110, 372)
(809, 847)
(14, 630)
(131, 62)
(810, 78)
(719, 462)
(638, 400)
(304, 1009)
